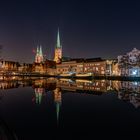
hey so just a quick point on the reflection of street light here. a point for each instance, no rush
(135, 83)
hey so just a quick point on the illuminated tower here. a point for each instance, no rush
(39, 55)
(58, 50)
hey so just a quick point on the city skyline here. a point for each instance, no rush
(86, 28)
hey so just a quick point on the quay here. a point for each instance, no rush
(96, 77)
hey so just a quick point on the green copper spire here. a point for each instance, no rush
(58, 45)
(40, 52)
(37, 51)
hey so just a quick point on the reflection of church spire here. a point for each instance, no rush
(58, 110)
(38, 95)
(57, 100)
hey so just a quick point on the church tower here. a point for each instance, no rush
(39, 55)
(58, 50)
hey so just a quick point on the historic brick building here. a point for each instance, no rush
(96, 66)
(9, 66)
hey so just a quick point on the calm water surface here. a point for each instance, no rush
(48, 108)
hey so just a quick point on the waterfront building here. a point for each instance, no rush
(66, 67)
(8, 66)
(129, 64)
(39, 68)
(25, 68)
(46, 67)
(58, 50)
(96, 66)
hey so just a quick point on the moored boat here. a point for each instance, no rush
(80, 75)
(66, 74)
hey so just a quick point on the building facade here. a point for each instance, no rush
(129, 64)
(96, 66)
(8, 66)
(46, 67)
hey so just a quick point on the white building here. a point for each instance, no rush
(129, 64)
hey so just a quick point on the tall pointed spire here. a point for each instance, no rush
(37, 51)
(40, 51)
(58, 49)
(39, 55)
(58, 45)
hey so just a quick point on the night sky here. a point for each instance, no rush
(96, 28)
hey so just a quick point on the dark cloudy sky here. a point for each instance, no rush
(95, 28)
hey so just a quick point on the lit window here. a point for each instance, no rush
(97, 68)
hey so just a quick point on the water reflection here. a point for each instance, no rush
(49, 103)
(128, 91)
(57, 100)
(6, 133)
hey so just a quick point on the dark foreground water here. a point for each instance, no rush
(51, 108)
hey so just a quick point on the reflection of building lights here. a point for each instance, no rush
(135, 83)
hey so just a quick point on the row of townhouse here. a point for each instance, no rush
(96, 66)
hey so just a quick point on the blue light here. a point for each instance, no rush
(134, 72)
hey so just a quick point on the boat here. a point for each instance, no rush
(67, 74)
(84, 75)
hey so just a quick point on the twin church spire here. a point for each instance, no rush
(39, 55)
(57, 54)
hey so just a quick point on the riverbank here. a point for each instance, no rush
(119, 78)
